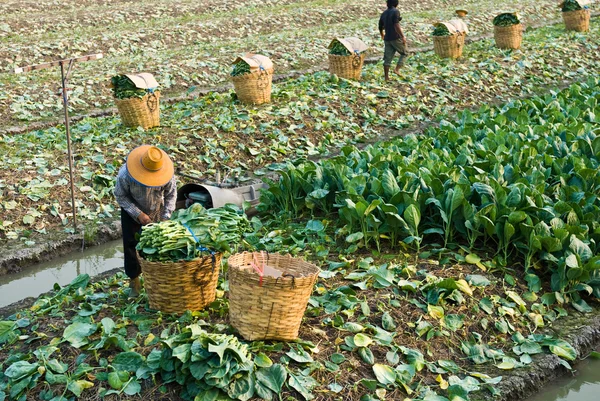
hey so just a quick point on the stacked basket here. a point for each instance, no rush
(346, 57)
(142, 111)
(254, 87)
(576, 15)
(175, 287)
(508, 31)
(263, 306)
(452, 44)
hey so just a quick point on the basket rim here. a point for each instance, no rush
(135, 99)
(250, 75)
(183, 261)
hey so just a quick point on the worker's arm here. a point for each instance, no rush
(381, 27)
(124, 199)
(399, 32)
(170, 196)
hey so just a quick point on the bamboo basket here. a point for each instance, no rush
(144, 112)
(578, 20)
(176, 287)
(449, 46)
(508, 37)
(271, 308)
(255, 87)
(348, 67)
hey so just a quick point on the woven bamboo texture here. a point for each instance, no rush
(508, 37)
(449, 46)
(144, 112)
(255, 87)
(274, 309)
(179, 286)
(578, 20)
(348, 67)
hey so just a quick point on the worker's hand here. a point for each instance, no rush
(144, 219)
(404, 40)
(382, 36)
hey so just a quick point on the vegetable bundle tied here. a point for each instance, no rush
(240, 68)
(441, 30)
(571, 5)
(338, 49)
(506, 19)
(192, 231)
(124, 88)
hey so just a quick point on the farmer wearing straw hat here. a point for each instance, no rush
(146, 191)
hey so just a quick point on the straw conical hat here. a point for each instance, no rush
(150, 166)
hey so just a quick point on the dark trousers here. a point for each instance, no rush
(130, 227)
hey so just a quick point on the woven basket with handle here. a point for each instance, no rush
(578, 20)
(144, 112)
(255, 87)
(348, 67)
(508, 37)
(179, 286)
(450, 46)
(264, 307)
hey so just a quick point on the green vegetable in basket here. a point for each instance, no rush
(506, 19)
(240, 68)
(166, 241)
(441, 30)
(339, 49)
(124, 88)
(570, 5)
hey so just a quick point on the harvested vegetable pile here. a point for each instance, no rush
(240, 68)
(339, 49)
(124, 88)
(441, 30)
(570, 5)
(506, 19)
(192, 231)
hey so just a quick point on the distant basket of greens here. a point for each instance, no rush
(449, 38)
(137, 98)
(576, 15)
(181, 258)
(252, 78)
(508, 31)
(346, 57)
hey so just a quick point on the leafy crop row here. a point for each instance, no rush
(519, 181)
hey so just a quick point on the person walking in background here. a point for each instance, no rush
(393, 37)
(146, 191)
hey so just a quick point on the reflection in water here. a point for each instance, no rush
(40, 278)
(584, 386)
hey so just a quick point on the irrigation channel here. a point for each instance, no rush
(36, 280)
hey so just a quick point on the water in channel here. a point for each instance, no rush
(38, 279)
(583, 386)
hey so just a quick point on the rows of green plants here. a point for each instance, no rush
(309, 116)
(519, 183)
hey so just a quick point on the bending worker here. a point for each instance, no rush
(147, 193)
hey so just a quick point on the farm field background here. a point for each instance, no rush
(189, 44)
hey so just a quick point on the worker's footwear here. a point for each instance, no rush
(135, 286)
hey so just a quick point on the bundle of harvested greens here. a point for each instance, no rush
(570, 5)
(124, 88)
(192, 231)
(339, 49)
(240, 68)
(506, 19)
(441, 30)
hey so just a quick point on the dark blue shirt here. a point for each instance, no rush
(389, 18)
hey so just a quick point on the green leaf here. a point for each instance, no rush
(129, 361)
(303, 385)
(436, 312)
(272, 377)
(77, 386)
(353, 327)
(115, 381)
(355, 237)
(472, 259)
(7, 334)
(366, 355)
(389, 183)
(315, 226)
(581, 306)
(337, 358)
(20, 369)
(299, 355)
(77, 333)
(384, 374)
(387, 322)
(487, 306)
(262, 361)
(561, 348)
(362, 340)
(478, 280)
(453, 322)
(412, 216)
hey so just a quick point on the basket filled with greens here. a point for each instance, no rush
(449, 38)
(346, 57)
(576, 15)
(252, 77)
(137, 98)
(181, 257)
(508, 31)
